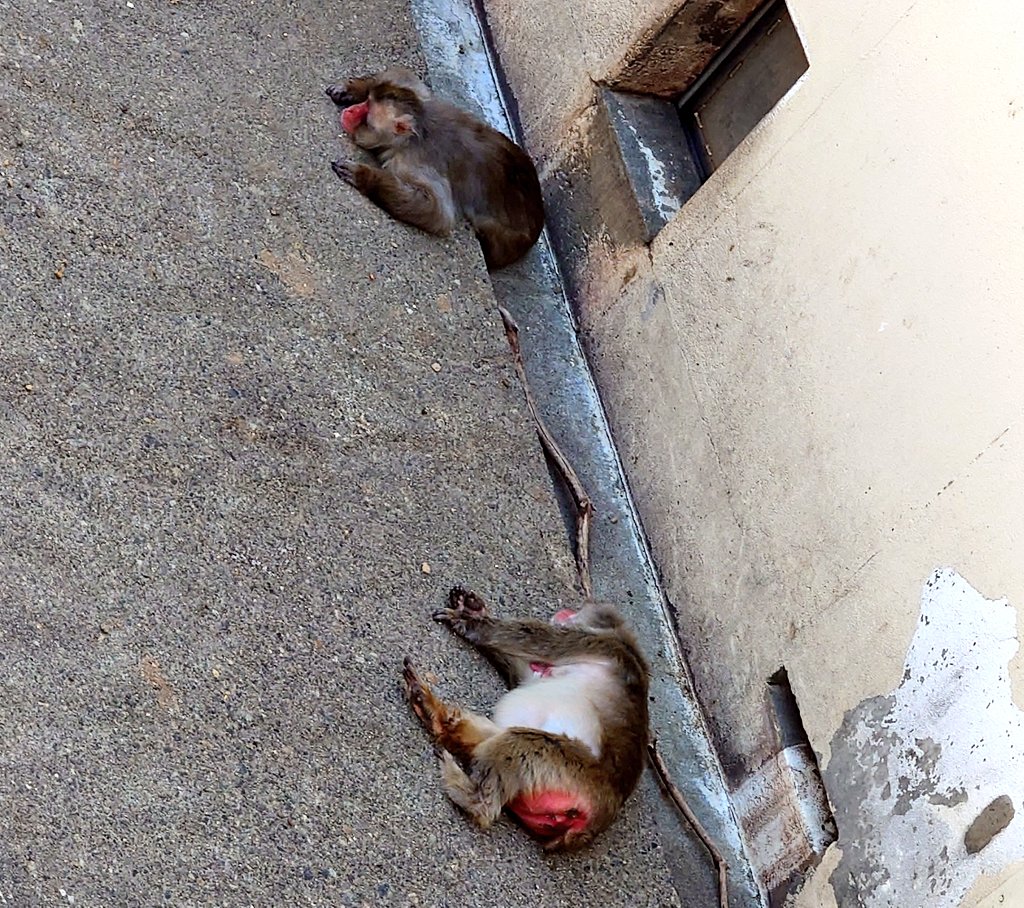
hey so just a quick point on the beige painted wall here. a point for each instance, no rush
(816, 374)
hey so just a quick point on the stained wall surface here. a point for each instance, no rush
(814, 375)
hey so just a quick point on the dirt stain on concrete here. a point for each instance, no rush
(292, 268)
(153, 675)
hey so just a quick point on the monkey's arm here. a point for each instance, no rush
(427, 205)
(531, 641)
(467, 605)
(514, 646)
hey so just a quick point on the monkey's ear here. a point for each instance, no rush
(405, 124)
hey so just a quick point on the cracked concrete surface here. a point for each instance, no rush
(241, 409)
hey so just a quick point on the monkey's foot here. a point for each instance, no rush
(346, 170)
(432, 713)
(418, 694)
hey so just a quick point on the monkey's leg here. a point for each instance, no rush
(353, 91)
(479, 795)
(453, 730)
(428, 206)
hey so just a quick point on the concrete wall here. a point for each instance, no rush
(815, 375)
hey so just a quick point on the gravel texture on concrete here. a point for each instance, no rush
(240, 411)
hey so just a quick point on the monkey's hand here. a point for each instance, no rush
(345, 93)
(465, 610)
(338, 93)
(348, 171)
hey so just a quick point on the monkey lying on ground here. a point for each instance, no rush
(566, 746)
(439, 164)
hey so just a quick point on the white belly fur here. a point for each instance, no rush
(562, 703)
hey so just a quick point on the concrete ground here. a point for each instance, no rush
(240, 411)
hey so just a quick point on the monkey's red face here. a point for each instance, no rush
(377, 125)
(595, 617)
(355, 116)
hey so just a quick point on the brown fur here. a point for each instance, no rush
(440, 164)
(485, 767)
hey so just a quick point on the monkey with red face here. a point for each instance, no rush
(439, 164)
(566, 745)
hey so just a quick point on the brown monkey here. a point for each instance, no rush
(567, 743)
(439, 164)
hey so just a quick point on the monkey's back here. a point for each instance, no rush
(494, 182)
(627, 720)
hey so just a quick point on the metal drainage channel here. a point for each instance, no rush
(461, 68)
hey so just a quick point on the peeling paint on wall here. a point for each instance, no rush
(913, 770)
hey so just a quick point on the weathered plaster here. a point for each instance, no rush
(911, 770)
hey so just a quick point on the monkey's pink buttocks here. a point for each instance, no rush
(550, 813)
(353, 117)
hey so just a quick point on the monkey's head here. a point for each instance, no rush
(391, 117)
(596, 617)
